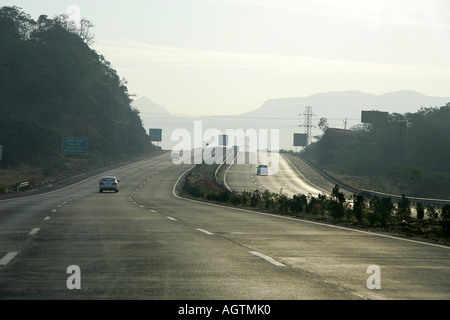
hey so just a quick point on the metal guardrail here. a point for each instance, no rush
(329, 177)
(436, 203)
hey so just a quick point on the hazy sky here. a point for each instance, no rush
(206, 57)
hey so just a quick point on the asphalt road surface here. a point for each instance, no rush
(145, 242)
(288, 179)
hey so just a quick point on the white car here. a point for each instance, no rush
(175, 156)
(108, 183)
(262, 170)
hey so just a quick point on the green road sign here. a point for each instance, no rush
(74, 145)
(155, 134)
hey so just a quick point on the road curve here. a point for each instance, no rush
(289, 179)
(147, 242)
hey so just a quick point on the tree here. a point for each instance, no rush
(52, 84)
(420, 209)
(298, 203)
(433, 215)
(323, 124)
(380, 211)
(338, 195)
(403, 209)
(336, 204)
(358, 206)
(84, 31)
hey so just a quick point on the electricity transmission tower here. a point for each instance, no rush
(308, 123)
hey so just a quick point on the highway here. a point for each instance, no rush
(147, 242)
(288, 179)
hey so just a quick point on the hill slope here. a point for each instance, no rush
(408, 154)
(53, 85)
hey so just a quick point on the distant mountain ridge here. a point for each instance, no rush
(286, 114)
(147, 106)
(349, 103)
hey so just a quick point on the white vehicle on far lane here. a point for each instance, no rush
(108, 183)
(262, 170)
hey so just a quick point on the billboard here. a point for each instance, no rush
(223, 140)
(374, 116)
(300, 139)
(155, 135)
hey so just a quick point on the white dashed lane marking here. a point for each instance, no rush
(34, 231)
(267, 258)
(7, 258)
(205, 231)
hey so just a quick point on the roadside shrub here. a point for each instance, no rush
(403, 209)
(283, 203)
(298, 203)
(254, 199)
(336, 209)
(336, 204)
(358, 206)
(445, 219)
(420, 209)
(313, 206)
(380, 211)
(433, 215)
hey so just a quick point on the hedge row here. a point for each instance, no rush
(357, 210)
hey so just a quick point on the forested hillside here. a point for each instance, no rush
(54, 85)
(408, 154)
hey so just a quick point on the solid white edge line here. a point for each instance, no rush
(267, 258)
(303, 177)
(226, 172)
(7, 258)
(205, 231)
(301, 220)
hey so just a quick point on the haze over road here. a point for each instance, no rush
(147, 243)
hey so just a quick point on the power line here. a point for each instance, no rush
(239, 117)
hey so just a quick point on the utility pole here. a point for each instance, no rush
(308, 123)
